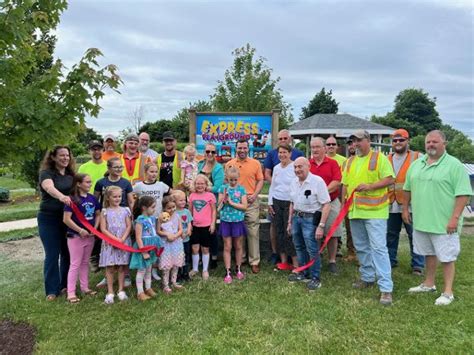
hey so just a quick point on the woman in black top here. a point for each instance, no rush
(55, 180)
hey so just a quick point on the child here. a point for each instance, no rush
(189, 167)
(171, 235)
(79, 241)
(155, 189)
(116, 223)
(145, 234)
(233, 201)
(203, 209)
(186, 219)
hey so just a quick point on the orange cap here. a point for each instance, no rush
(401, 132)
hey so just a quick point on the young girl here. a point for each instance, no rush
(79, 241)
(173, 254)
(189, 167)
(233, 203)
(186, 219)
(155, 189)
(203, 209)
(116, 223)
(145, 234)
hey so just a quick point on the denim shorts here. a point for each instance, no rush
(446, 247)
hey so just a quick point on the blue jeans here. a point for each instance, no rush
(394, 226)
(52, 232)
(306, 245)
(369, 236)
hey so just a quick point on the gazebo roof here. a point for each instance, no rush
(341, 125)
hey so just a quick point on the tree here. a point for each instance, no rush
(180, 122)
(136, 118)
(322, 102)
(42, 104)
(391, 120)
(248, 86)
(156, 129)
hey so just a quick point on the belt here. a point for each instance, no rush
(303, 214)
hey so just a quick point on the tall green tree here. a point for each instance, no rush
(180, 121)
(248, 86)
(322, 102)
(41, 103)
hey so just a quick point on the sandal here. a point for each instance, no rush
(51, 298)
(90, 293)
(73, 300)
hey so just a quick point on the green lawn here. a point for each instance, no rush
(18, 211)
(18, 234)
(263, 314)
(10, 183)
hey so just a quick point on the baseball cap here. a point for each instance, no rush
(110, 136)
(168, 136)
(131, 137)
(95, 143)
(360, 134)
(401, 133)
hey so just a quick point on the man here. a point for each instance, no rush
(329, 170)
(144, 141)
(169, 161)
(331, 146)
(109, 145)
(401, 159)
(308, 194)
(369, 173)
(438, 188)
(351, 255)
(96, 167)
(251, 178)
(132, 160)
(272, 160)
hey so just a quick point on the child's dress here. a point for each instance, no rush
(190, 171)
(149, 237)
(110, 256)
(173, 253)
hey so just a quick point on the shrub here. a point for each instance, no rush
(4, 195)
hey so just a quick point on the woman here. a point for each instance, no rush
(215, 173)
(279, 204)
(55, 180)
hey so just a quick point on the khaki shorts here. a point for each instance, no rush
(335, 208)
(446, 247)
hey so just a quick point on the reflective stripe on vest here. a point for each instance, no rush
(370, 201)
(395, 191)
(374, 156)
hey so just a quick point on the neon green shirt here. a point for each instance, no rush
(434, 189)
(339, 158)
(384, 169)
(95, 171)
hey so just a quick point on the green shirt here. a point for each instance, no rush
(95, 171)
(384, 169)
(339, 158)
(433, 192)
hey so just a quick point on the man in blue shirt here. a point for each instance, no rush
(284, 137)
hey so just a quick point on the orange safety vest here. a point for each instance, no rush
(395, 191)
(138, 172)
(367, 200)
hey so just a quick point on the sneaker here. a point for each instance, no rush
(193, 273)
(360, 284)
(122, 296)
(142, 296)
(386, 298)
(314, 284)
(240, 275)
(299, 277)
(102, 283)
(228, 279)
(109, 298)
(149, 292)
(422, 288)
(332, 268)
(444, 299)
(177, 286)
(205, 275)
(128, 281)
(155, 275)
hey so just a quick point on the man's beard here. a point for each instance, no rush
(431, 152)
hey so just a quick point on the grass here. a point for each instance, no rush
(10, 183)
(22, 210)
(18, 234)
(263, 314)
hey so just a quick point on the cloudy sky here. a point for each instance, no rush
(171, 53)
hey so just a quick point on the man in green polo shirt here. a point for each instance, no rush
(438, 187)
(96, 167)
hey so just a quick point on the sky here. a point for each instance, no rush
(172, 53)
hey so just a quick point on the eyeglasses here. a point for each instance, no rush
(210, 152)
(400, 140)
(331, 144)
(117, 167)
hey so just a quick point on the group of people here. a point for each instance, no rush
(171, 202)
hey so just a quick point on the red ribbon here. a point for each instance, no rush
(115, 243)
(340, 217)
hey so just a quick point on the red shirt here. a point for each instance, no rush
(328, 170)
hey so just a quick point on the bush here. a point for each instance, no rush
(4, 195)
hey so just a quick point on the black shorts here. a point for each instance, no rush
(202, 236)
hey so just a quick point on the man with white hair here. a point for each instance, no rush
(144, 142)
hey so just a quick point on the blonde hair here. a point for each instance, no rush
(232, 171)
(149, 165)
(200, 176)
(178, 193)
(108, 192)
(190, 148)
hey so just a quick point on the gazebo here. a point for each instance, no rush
(339, 126)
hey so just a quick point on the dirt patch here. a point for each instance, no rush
(29, 249)
(16, 338)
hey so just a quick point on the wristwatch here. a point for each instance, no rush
(322, 225)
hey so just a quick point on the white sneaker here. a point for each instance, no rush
(102, 283)
(422, 288)
(155, 275)
(444, 299)
(109, 298)
(127, 282)
(122, 296)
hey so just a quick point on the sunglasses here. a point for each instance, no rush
(400, 140)
(331, 144)
(210, 152)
